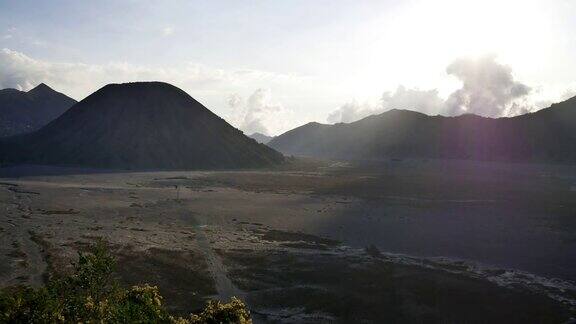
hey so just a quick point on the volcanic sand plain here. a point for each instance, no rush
(312, 241)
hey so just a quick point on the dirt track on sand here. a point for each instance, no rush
(293, 242)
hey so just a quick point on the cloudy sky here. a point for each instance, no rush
(269, 66)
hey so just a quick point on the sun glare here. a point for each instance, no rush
(413, 45)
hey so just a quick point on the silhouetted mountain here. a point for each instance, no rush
(546, 135)
(149, 125)
(23, 112)
(261, 138)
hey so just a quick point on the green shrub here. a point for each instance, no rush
(92, 295)
(215, 312)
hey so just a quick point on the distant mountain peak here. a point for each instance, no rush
(41, 88)
(42, 85)
(312, 125)
(261, 138)
(22, 112)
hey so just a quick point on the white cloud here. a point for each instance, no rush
(78, 79)
(488, 89)
(168, 30)
(259, 113)
(353, 111)
(569, 93)
(235, 101)
(208, 85)
(426, 101)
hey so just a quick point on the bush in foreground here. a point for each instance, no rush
(92, 295)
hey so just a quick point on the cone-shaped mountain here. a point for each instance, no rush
(151, 125)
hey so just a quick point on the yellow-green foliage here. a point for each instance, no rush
(215, 312)
(91, 295)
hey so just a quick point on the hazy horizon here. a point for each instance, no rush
(271, 67)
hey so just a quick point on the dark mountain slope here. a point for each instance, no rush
(140, 125)
(23, 112)
(546, 135)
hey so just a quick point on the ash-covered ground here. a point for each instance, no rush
(312, 241)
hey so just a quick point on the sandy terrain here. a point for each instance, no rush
(407, 241)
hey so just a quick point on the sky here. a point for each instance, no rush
(270, 66)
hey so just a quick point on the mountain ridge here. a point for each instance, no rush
(546, 135)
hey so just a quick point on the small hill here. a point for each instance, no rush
(261, 138)
(23, 112)
(142, 125)
(546, 135)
